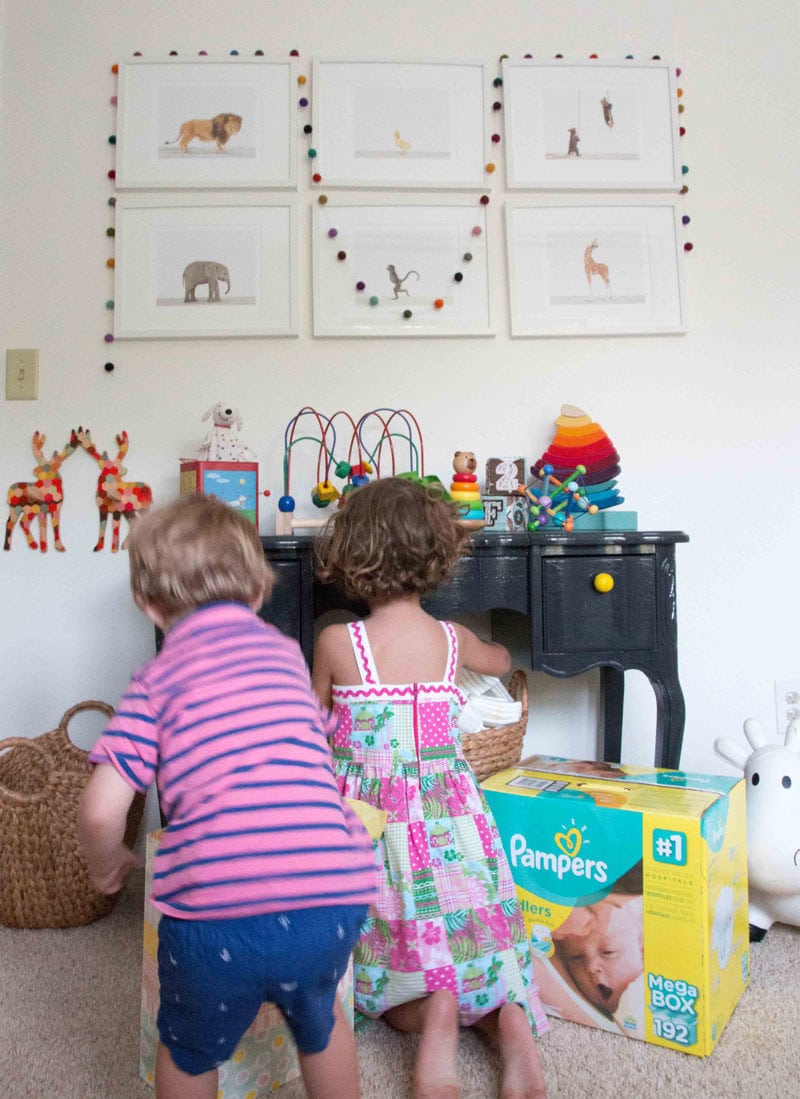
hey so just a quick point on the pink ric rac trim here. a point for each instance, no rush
(452, 652)
(391, 692)
(361, 653)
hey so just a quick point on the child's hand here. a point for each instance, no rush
(110, 877)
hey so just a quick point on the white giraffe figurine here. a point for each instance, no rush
(772, 773)
(591, 267)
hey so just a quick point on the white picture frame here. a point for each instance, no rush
(158, 237)
(425, 240)
(609, 266)
(588, 125)
(177, 129)
(400, 124)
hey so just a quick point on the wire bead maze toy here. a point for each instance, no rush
(557, 501)
(370, 450)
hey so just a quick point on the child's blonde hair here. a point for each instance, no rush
(391, 537)
(193, 551)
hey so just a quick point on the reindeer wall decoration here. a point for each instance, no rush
(29, 500)
(115, 497)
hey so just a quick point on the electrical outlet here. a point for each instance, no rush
(787, 702)
(22, 374)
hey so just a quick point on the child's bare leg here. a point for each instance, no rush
(510, 1033)
(333, 1073)
(173, 1083)
(435, 1019)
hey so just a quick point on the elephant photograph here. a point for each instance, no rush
(208, 273)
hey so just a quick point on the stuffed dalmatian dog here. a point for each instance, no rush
(222, 443)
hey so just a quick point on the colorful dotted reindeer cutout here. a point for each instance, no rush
(115, 497)
(29, 500)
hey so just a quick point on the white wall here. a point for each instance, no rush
(706, 424)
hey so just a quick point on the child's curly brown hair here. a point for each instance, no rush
(391, 537)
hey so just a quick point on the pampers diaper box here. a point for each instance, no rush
(633, 885)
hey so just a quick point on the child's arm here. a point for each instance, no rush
(102, 817)
(322, 674)
(486, 657)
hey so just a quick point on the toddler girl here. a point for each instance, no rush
(445, 943)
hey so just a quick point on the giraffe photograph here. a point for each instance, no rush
(611, 268)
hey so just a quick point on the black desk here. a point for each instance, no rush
(550, 579)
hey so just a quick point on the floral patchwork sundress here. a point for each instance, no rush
(447, 914)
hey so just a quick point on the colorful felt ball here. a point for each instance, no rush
(476, 230)
(498, 82)
(688, 246)
(333, 233)
(407, 313)
(373, 300)
(317, 178)
(110, 232)
(307, 129)
(361, 285)
(108, 337)
(490, 167)
(496, 106)
(458, 276)
(322, 200)
(112, 139)
(109, 304)
(438, 304)
(495, 139)
(685, 219)
(484, 200)
(303, 102)
(467, 257)
(312, 153)
(112, 174)
(115, 69)
(110, 262)
(108, 367)
(294, 53)
(341, 255)
(301, 80)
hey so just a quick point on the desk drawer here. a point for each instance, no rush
(578, 618)
(483, 582)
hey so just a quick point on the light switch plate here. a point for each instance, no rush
(22, 374)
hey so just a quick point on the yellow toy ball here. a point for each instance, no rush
(603, 582)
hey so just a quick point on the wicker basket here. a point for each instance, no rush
(492, 750)
(44, 882)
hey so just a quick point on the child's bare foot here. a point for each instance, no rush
(435, 1071)
(522, 1075)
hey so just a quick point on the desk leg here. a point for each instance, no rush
(612, 696)
(670, 718)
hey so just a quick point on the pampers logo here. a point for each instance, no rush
(563, 862)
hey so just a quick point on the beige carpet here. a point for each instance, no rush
(69, 1025)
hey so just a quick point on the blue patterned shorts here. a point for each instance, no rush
(215, 974)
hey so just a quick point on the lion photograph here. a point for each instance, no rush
(218, 129)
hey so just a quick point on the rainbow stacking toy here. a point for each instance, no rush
(582, 451)
(465, 490)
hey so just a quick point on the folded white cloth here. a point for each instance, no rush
(488, 702)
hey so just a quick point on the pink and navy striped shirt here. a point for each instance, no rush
(226, 721)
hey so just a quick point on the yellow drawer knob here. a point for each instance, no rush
(603, 582)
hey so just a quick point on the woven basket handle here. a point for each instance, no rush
(91, 704)
(518, 688)
(13, 796)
